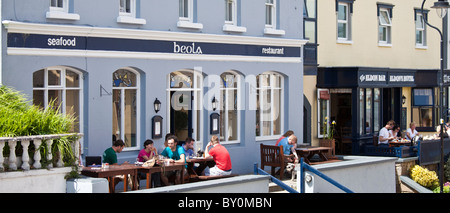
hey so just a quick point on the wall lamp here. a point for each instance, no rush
(157, 105)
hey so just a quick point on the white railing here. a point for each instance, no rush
(13, 163)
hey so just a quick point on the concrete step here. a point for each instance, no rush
(274, 188)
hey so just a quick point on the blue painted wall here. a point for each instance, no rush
(160, 16)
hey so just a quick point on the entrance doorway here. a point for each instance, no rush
(341, 112)
(184, 95)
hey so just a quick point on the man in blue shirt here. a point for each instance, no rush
(289, 144)
(176, 154)
(189, 147)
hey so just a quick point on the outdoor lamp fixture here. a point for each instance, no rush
(157, 105)
(214, 103)
(403, 99)
(441, 7)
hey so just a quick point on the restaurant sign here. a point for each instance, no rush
(86, 43)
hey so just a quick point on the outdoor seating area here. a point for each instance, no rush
(191, 171)
(273, 156)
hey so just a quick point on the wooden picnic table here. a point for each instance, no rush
(308, 152)
(203, 163)
(162, 168)
(111, 172)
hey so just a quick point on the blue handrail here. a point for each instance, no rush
(304, 165)
(273, 179)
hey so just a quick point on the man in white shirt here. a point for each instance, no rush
(383, 137)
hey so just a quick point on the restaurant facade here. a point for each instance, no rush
(142, 69)
(376, 61)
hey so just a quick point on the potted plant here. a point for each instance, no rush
(328, 137)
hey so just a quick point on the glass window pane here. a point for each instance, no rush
(382, 34)
(342, 12)
(54, 77)
(72, 79)
(323, 104)
(384, 18)
(310, 7)
(124, 78)
(269, 15)
(276, 112)
(73, 107)
(361, 111)
(368, 123)
(419, 37)
(423, 116)
(38, 98)
(342, 30)
(266, 112)
(310, 31)
(130, 118)
(181, 80)
(419, 21)
(258, 110)
(55, 97)
(376, 110)
(38, 79)
(117, 115)
(423, 97)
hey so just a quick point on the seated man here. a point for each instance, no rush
(110, 157)
(220, 155)
(289, 144)
(176, 154)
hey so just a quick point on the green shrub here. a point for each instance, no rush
(20, 118)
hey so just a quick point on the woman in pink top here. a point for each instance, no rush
(148, 152)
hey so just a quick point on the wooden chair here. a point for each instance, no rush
(346, 138)
(273, 156)
(375, 139)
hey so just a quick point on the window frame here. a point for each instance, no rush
(320, 115)
(418, 15)
(387, 26)
(272, 88)
(224, 119)
(129, 17)
(61, 12)
(347, 21)
(434, 109)
(122, 108)
(63, 88)
(187, 22)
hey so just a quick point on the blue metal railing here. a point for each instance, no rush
(275, 180)
(303, 166)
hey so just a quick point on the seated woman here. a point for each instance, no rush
(147, 153)
(176, 154)
(411, 132)
(394, 132)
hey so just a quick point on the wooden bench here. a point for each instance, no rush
(273, 156)
(203, 177)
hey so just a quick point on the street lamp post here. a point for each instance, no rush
(441, 7)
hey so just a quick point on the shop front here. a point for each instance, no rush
(142, 84)
(361, 100)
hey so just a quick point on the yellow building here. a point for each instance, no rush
(376, 61)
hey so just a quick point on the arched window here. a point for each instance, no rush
(62, 86)
(125, 105)
(229, 106)
(269, 105)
